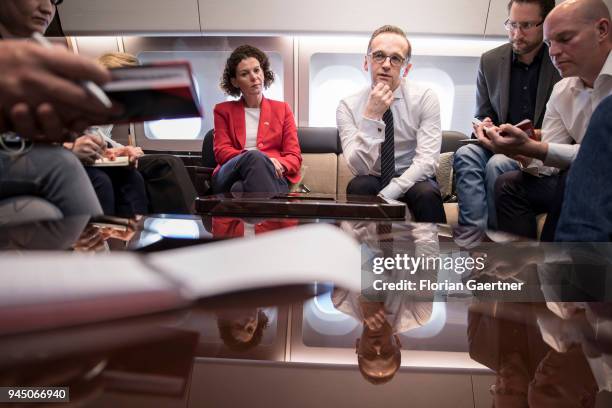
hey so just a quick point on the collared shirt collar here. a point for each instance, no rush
(606, 70)
(399, 93)
(607, 67)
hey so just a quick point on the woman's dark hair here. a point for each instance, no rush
(241, 53)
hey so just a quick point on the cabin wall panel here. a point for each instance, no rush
(498, 13)
(95, 17)
(458, 17)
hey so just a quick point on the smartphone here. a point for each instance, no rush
(527, 127)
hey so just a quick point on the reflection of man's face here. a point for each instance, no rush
(24, 17)
(511, 383)
(377, 351)
(524, 41)
(563, 380)
(389, 44)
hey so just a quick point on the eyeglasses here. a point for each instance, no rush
(521, 25)
(56, 2)
(380, 57)
(386, 352)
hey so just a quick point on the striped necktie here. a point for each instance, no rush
(387, 153)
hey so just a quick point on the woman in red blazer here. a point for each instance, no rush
(255, 141)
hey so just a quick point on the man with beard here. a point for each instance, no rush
(514, 83)
(578, 35)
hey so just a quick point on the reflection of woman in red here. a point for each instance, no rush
(255, 140)
(228, 227)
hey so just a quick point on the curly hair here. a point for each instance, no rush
(238, 55)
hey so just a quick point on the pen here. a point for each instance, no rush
(91, 87)
(105, 138)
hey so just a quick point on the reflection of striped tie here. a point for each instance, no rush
(385, 240)
(387, 153)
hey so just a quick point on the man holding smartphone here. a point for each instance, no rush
(514, 83)
(578, 34)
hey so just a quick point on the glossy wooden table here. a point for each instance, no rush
(300, 205)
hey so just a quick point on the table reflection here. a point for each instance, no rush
(548, 345)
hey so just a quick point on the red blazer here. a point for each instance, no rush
(276, 136)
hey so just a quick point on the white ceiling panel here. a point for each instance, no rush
(96, 17)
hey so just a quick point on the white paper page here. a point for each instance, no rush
(293, 256)
(39, 277)
(149, 77)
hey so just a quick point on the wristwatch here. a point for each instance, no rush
(11, 143)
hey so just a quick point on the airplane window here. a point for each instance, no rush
(334, 76)
(175, 228)
(442, 85)
(207, 68)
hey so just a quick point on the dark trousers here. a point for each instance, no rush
(121, 190)
(519, 197)
(168, 185)
(249, 172)
(423, 199)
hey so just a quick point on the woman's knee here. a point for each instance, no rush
(254, 158)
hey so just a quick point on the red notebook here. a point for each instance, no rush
(163, 90)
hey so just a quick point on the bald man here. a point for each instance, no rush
(577, 33)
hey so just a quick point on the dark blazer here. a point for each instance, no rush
(493, 85)
(276, 135)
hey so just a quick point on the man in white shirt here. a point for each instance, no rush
(390, 131)
(577, 33)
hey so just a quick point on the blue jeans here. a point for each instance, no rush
(586, 215)
(476, 170)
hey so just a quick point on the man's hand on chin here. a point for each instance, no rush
(379, 101)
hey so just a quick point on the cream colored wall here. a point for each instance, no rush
(194, 17)
(218, 383)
